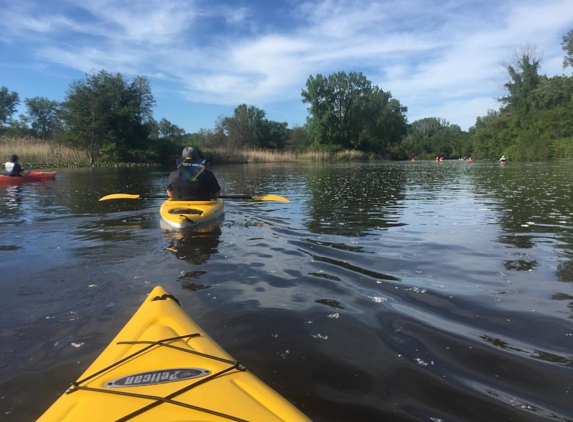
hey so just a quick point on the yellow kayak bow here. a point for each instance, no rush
(163, 367)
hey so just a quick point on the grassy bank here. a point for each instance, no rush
(52, 154)
(224, 156)
(33, 151)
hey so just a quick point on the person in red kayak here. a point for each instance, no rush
(13, 168)
(191, 180)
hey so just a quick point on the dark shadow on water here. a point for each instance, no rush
(194, 245)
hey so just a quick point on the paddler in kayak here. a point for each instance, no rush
(502, 159)
(13, 168)
(191, 180)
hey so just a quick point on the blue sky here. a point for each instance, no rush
(440, 58)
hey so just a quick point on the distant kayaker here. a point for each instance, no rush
(191, 180)
(502, 159)
(13, 168)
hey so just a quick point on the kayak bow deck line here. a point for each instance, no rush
(163, 367)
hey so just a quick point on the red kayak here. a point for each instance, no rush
(33, 176)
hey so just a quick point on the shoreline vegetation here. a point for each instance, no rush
(51, 154)
(107, 119)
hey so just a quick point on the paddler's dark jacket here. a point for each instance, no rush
(192, 181)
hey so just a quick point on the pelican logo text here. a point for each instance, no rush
(157, 377)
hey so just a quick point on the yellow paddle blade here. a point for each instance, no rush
(119, 196)
(271, 198)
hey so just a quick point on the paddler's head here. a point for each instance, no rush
(190, 152)
(14, 158)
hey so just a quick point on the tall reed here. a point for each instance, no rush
(54, 153)
(251, 155)
(31, 150)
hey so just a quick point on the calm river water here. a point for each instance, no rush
(383, 292)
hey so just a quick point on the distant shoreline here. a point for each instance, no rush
(52, 154)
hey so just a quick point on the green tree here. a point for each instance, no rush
(334, 107)
(169, 130)
(347, 112)
(567, 45)
(538, 114)
(18, 128)
(130, 125)
(248, 127)
(554, 92)
(109, 117)
(298, 139)
(274, 135)
(432, 137)
(242, 129)
(141, 98)
(421, 140)
(494, 134)
(8, 103)
(88, 112)
(524, 77)
(43, 116)
(383, 124)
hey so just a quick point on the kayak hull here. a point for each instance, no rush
(183, 214)
(163, 367)
(33, 176)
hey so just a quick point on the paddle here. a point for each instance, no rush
(253, 197)
(27, 172)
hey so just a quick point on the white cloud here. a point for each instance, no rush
(434, 56)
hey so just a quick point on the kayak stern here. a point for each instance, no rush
(184, 214)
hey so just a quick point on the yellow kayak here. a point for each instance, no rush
(182, 214)
(163, 367)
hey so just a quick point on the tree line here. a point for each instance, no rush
(109, 118)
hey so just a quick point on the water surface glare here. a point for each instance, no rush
(383, 292)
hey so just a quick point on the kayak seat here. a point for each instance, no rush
(185, 211)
